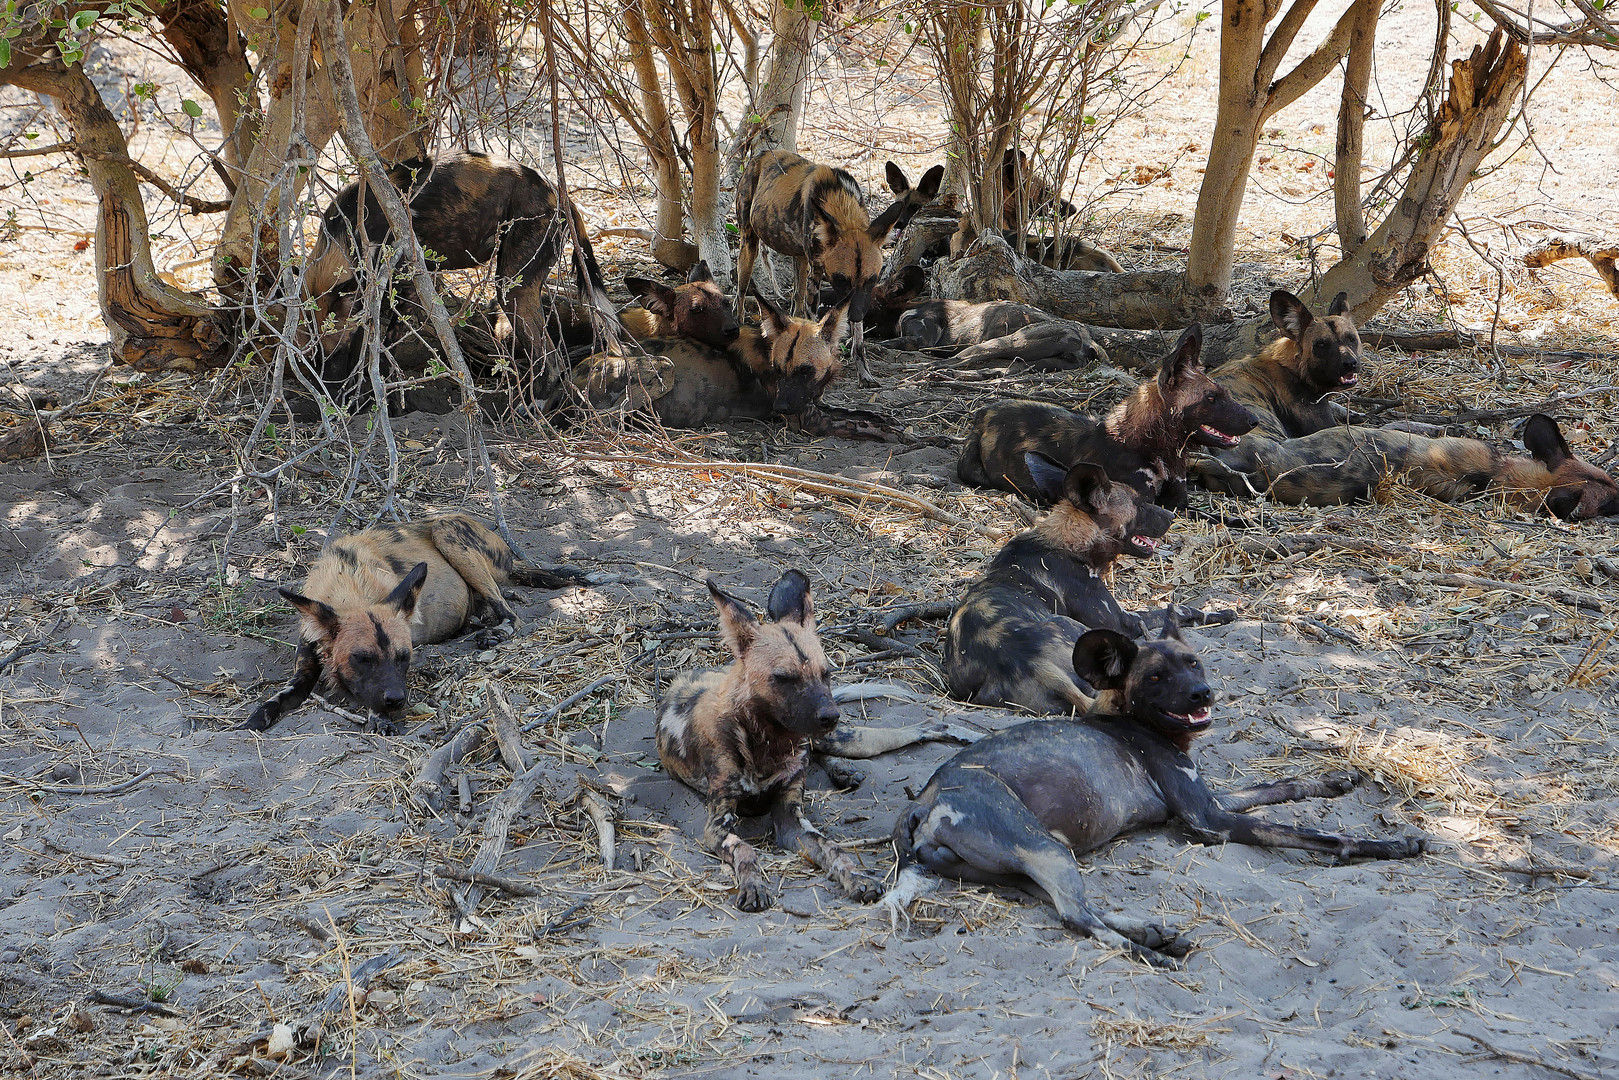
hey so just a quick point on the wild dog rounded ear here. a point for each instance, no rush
(1188, 352)
(1085, 484)
(1048, 476)
(790, 599)
(1172, 626)
(408, 591)
(320, 616)
(697, 274)
(1339, 305)
(774, 322)
(1544, 441)
(1103, 658)
(898, 182)
(737, 625)
(932, 180)
(834, 322)
(659, 299)
(1289, 315)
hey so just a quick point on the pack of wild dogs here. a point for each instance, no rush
(1117, 697)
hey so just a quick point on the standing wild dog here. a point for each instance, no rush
(783, 367)
(815, 214)
(977, 334)
(1011, 639)
(469, 209)
(1343, 464)
(698, 310)
(1142, 442)
(1015, 808)
(373, 596)
(741, 737)
(1288, 385)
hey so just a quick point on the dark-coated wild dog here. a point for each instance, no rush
(890, 300)
(698, 310)
(815, 214)
(1028, 194)
(909, 200)
(783, 367)
(1012, 637)
(1343, 464)
(1289, 384)
(469, 209)
(373, 596)
(1142, 442)
(741, 738)
(977, 334)
(1016, 807)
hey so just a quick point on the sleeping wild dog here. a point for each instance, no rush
(1011, 640)
(373, 596)
(1015, 808)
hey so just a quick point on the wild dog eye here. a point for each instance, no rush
(786, 677)
(1155, 678)
(1321, 348)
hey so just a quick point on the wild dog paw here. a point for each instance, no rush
(1159, 938)
(862, 889)
(1341, 783)
(844, 777)
(1162, 961)
(381, 725)
(753, 896)
(491, 636)
(943, 732)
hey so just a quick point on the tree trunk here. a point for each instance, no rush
(669, 245)
(1352, 127)
(780, 103)
(1483, 88)
(152, 327)
(217, 59)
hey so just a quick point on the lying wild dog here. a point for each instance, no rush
(1015, 808)
(1011, 638)
(1345, 464)
(1142, 442)
(909, 200)
(1066, 253)
(814, 213)
(469, 209)
(742, 737)
(373, 596)
(890, 300)
(1028, 195)
(781, 367)
(978, 334)
(1289, 384)
(698, 310)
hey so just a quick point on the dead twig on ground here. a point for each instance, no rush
(942, 609)
(428, 786)
(505, 885)
(1519, 1058)
(602, 817)
(99, 789)
(134, 1004)
(507, 736)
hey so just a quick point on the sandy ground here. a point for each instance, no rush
(239, 883)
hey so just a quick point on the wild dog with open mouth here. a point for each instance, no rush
(1015, 808)
(1289, 384)
(1142, 442)
(1011, 639)
(742, 737)
(978, 334)
(1345, 464)
(469, 209)
(373, 596)
(814, 213)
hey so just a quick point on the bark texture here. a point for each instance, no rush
(216, 58)
(1600, 253)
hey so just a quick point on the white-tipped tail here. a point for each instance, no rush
(913, 881)
(867, 691)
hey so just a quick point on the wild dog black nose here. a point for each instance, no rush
(1201, 696)
(393, 700)
(828, 717)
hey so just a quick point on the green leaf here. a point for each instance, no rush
(298, 530)
(191, 108)
(84, 20)
(258, 13)
(5, 53)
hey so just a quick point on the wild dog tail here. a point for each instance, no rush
(913, 880)
(869, 691)
(604, 319)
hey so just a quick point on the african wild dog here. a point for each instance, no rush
(1015, 808)
(890, 300)
(815, 214)
(468, 209)
(742, 737)
(1288, 385)
(1026, 194)
(1142, 442)
(373, 596)
(977, 334)
(1343, 464)
(1011, 638)
(698, 310)
(782, 367)
(909, 200)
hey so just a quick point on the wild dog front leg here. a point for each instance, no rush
(859, 743)
(795, 833)
(719, 837)
(305, 674)
(1292, 789)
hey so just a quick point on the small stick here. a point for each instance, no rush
(124, 1001)
(28, 648)
(505, 885)
(605, 680)
(347, 714)
(1535, 870)
(564, 920)
(341, 995)
(463, 792)
(315, 927)
(507, 737)
(429, 783)
(876, 641)
(107, 860)
(922, 612)
(495, 826)
(1519, 1058)
(1570, 597)
(604, 826)
(101, 789)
